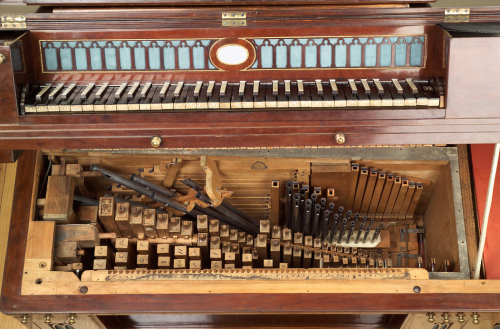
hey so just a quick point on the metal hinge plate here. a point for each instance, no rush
(14, 21)
(234, 19)
(457, 15)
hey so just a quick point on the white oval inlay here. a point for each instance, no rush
(232, 54)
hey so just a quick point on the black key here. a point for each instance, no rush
(259, 99)
(270, 97)
(305, 98)
(386, 95)
(99, 105)
(235, 97)
(76, 105)
(225, 101)
(248, 97)
(293, 98)
(53, 105)
(398, 99)
(316, 98)
(352, 99)
(30, 103)
(43, 103)
(409, 97)
(282, 97)
(168, 101)
(180, 102)
(340, 97)
(65, 105)
(202, 103)
(191, 99)
(375, 99)
(145, 103)
(134, 103)
(156, 102)
(363, 99)
(122, 104)
(88, 104)
(213, 102)
(111, 102)
(434, 99)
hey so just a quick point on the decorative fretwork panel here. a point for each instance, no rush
(271, 53)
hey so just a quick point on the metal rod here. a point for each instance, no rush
(335, 226)
(489, 198)
(295, 213)
(351, 229)
(314, 197)
(85, 201)
(324, 225)
(342, 231)
(317, 213)
(153, 187)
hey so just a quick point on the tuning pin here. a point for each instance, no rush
(446, 317)
(461, 319)
(475, 318)
(431, 317)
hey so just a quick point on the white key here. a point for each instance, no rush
(145, 89)
(68, 91)
(275, 87)
(120, 91)
(366, 86)
(101, 91)
(56, 91)
(352, 84)
(210, 88)
(42, 92)
(379, 86)
(398, 86)
(178, 89)
(87, 91)
(287, 87)
(412, 85)
(223, 88)
(256, 88)
(319, 86)
(133, 90)
(198, 88)
(241, 90)
(333, 85)
(164, 89)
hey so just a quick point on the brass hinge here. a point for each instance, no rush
(234, 19)
(14, 21)
(457, 15)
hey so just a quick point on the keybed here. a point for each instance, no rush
(246, 95)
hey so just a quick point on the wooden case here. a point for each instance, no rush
(466, 113)
(38, 286)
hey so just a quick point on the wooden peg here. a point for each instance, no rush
(149, 224)
(122, 219)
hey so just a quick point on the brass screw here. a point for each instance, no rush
(446, 317)
(155, 141)
(72, 320)
(475, 318)
(340, 138)
(47, 318)
(2, 58)
(460, 317)
(431, 317)
(24, 319)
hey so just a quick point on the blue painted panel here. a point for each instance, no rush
(184, 60)
(341, 55)
(355, 59)
(125, 58)
(95, 57)
(169, 58)
(266, 55)
(51, 58)
(140, 56)
(400, 53)
(80, 58)
(311, 55)
(385, 53)
(326, 56)
(371, 54)
(154, 57)
(281, 55)
(416, 54)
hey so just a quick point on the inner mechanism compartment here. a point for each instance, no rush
(408, 197)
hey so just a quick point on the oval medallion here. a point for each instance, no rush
(232, 54)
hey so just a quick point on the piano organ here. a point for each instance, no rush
(234, 112)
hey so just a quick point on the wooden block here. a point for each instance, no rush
(246, 259)
(136, 221)
(265, 227)
(275, 203)
(297, 238)
(88, 215)
(249, 241)
(261, 246)
(120, 268)
(162, 225)
(216, 265)
(275, 251)
(122, 219)
(195, 264)
(297, 256)
(214, 242)
(326, 261)
(229, 258)
(204, 249)
(268, 263)
(233, 236)
(124, 245)
(287, 235)
(215, 255)
(256, 263)
(225, 246)
(187, 229)
(317, 243)
(308, 241)
(164, 262)
(163, 249)
(242, 239)
(276, 232)
(180, 252)
(287, 254)
(317, 260)
(59, 200)
(213, 227)
(143, 247)
(249, 267)
(174, 227)
(107, 215)
(180, 263)
(283, 265)
(224, 233)
(124, 259)
(40, 245)
(75, 171)
(229, 266)
(104, 252)
(87, 236)
(307, 259)
(149, 218)
(236, 249)
(102, 264)
(66, 252)
(202, 223)
(194, 253)
(143, 261)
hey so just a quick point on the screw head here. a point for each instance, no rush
(84, 289)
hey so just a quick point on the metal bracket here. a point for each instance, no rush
(403, 231)
(17, 22)
(399, 259)
(234, 19)
(457, 15)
